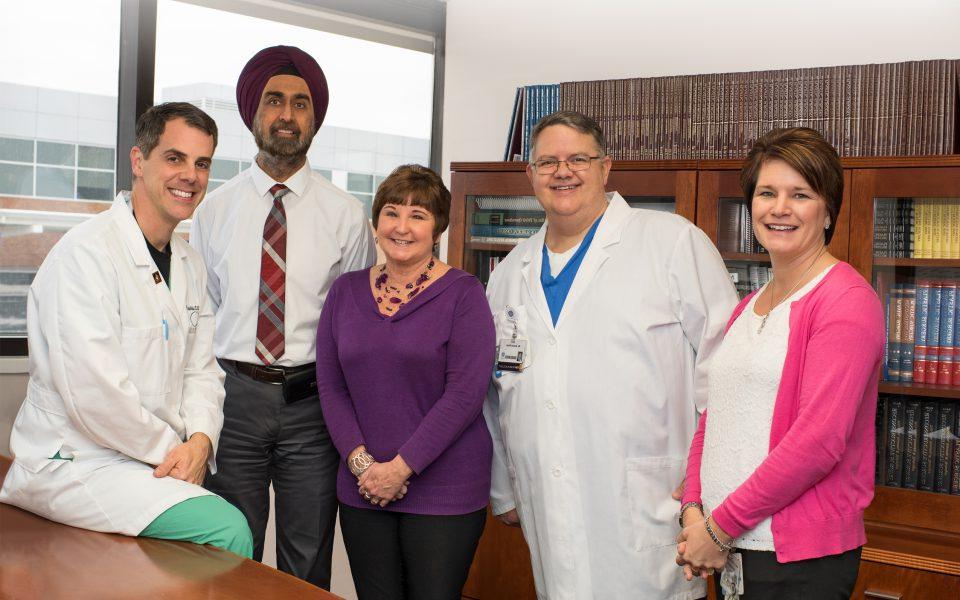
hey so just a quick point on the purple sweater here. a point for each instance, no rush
(817, 479)
(412, 384)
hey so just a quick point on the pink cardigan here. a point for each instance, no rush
(818, 476)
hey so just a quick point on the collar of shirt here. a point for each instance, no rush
(296, 183)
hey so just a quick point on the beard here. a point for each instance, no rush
(279, 147)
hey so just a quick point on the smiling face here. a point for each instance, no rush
(405, 233)
(788, 216)
(170, 182)
(283, 125)
(566, 193)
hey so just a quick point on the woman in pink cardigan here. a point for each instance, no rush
(779, 475)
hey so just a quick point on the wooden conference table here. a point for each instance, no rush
(40, 559)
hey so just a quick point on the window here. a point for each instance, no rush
(57, 133)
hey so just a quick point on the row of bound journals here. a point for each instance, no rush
(916, 227)
(923, 330)
(917, 444)
(893, 109)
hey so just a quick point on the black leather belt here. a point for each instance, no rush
(274, 374)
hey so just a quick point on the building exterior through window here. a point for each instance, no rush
(57, 168)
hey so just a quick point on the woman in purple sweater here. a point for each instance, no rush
(404, 356)
(779, 475)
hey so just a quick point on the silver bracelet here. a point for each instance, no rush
(684, 508)
(360, 463)
(713, 536)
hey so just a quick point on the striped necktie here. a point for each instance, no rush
(273, 267)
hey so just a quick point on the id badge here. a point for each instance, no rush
(731, 578)
(511, 353)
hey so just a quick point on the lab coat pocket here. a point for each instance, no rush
(653, 511)
(145, 350)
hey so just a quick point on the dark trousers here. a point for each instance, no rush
(825, 578)
(265, 440)
(402, 556)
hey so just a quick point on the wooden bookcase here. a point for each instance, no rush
(913, 548)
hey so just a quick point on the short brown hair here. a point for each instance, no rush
(415, 185)
(574, 120)
(808, 153)
(153, 122)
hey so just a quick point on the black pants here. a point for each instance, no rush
(402, 556)
(265, 440)
(825, 578)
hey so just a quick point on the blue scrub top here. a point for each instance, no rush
(557, 288)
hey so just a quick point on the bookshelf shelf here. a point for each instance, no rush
(489, 247)
(882, 261)
(920, 389)
(745, 257)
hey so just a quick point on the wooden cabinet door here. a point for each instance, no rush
(878, 581)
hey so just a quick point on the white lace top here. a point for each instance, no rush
(743, 383)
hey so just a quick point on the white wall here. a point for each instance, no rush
(493, 46)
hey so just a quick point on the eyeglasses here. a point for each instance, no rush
(548, 166)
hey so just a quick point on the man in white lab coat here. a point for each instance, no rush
(606, 320)
(124, 404)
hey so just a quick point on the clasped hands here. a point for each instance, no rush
(383, 482)
(697, 553)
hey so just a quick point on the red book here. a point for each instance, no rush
(933, 331)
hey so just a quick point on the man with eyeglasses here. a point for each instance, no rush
(606, 322)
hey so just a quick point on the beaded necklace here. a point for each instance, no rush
(390, 297)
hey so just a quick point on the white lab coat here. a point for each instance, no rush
(108, 388)
(592, 436)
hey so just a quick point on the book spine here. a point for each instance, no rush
(948, 439)
(911, 443)
(936, 232)
(919, 224)
(895, 333)
(502, 231)
(933, 332)
(880, 437)
(908, 226)
(948, 344)
(881, 245)
(929, 446)
(955, 228)
(907, 332)
(515, 218)
(893, 466)
(956, 344)
(920, 331)
(955, 459)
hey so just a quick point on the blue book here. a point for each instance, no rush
(504, 231)
(894, 332)
(909, 292)
(933, 332)
(889, 317)
(948, 345)
(920, 331)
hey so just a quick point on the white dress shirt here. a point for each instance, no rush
(327, 235)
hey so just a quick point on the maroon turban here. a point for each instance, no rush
(264, 65)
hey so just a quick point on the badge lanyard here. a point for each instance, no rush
(511, 352)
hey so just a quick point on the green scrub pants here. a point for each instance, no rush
(204, 520)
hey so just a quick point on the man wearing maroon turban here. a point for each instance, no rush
(274, 238)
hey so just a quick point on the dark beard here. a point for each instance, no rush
(282, 149)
